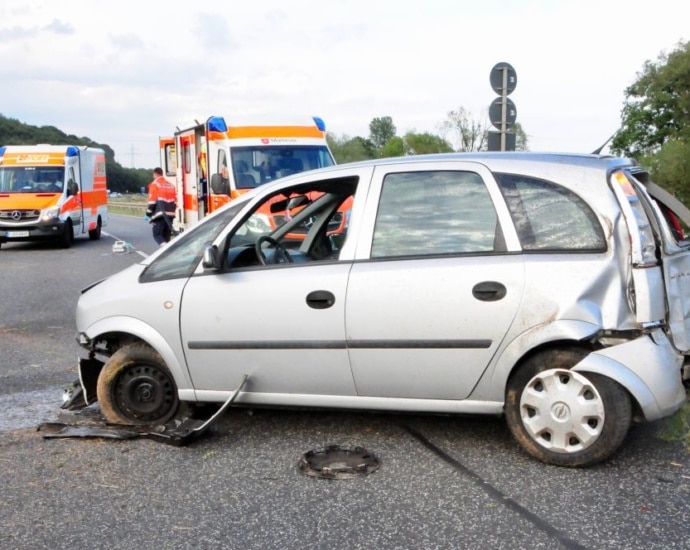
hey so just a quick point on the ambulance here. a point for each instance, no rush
(52, 192)
(214, 162)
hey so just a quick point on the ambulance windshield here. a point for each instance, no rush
(255, 165)
(31, 179)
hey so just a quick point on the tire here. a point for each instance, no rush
(136, 388)
(67, 239)
(566, 418)
(95, 234)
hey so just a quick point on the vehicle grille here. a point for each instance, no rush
(19, 216)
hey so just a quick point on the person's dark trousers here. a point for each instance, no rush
(161, 231)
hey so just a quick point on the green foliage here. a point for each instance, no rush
(14, 132)
(424, 143)
(394, 147)
(677, 427)
(670, 168)
(347, 149)
(381, 130)
(521, 139)
(657, 105)
(655, 127)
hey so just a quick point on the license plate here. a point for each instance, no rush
(17, 234)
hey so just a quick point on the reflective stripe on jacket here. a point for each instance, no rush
(161, 199)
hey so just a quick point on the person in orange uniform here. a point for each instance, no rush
(160, 210)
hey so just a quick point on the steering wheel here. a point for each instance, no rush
(280, 255)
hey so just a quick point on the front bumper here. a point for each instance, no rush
(53, 229)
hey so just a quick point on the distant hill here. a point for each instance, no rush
(14, 132)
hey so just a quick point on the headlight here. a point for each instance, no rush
(50, 214)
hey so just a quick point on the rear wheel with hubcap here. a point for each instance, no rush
(135, 387)
(563, 417)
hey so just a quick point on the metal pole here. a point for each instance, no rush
(504, 108)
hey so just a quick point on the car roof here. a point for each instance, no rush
(582, 159)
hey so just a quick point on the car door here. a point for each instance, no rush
(435, 287)
(284, 325)
(260, 322)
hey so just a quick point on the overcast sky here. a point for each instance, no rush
(126, 72)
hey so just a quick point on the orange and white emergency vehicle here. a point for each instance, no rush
(214, 162)
(52, 192)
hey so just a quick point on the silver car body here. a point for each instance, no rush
(406, 333)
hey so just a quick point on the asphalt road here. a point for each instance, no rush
(443, 482)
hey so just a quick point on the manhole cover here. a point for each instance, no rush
(336, 463)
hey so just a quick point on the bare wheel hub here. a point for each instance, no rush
(144, 392)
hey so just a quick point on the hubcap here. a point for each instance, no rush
(562, 411)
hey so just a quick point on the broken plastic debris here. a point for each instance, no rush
(122, 247)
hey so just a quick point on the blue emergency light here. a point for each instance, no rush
(217, 124)
(320, 124)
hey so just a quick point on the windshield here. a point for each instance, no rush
(31, 179)
(260, 164)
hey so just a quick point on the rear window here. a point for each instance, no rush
(549, 217)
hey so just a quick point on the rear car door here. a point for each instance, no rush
(435, 287)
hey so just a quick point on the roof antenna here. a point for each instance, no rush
(598, 150)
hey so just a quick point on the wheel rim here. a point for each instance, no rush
(145, 393)
(562, 411)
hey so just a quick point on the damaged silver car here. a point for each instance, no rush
(553, 289)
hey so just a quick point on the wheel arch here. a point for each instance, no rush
(524, 346)
(119, 331)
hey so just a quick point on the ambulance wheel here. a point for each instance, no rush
(136, 388)
(95, 234)
(68, 236)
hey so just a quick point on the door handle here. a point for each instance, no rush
(320, 299)
(489, 291)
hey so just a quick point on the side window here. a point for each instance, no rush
(549, 217)
(435, 213)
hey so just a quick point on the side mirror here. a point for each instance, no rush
(72, 188)
(211, 259)
(218, 186)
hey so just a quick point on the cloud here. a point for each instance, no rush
(59, 27)
(17, 33)
(129, 41)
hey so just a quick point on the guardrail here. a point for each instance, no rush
(127, 208)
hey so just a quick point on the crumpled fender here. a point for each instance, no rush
(491, 387)
(146, 333)
(648, 367)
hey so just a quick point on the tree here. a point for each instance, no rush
(657, 105)
(347, 149)
(670, 167)
(424, 143)
(394, 147)
(14, 132)
(468, 133)
(521, 139)
(381, 130)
